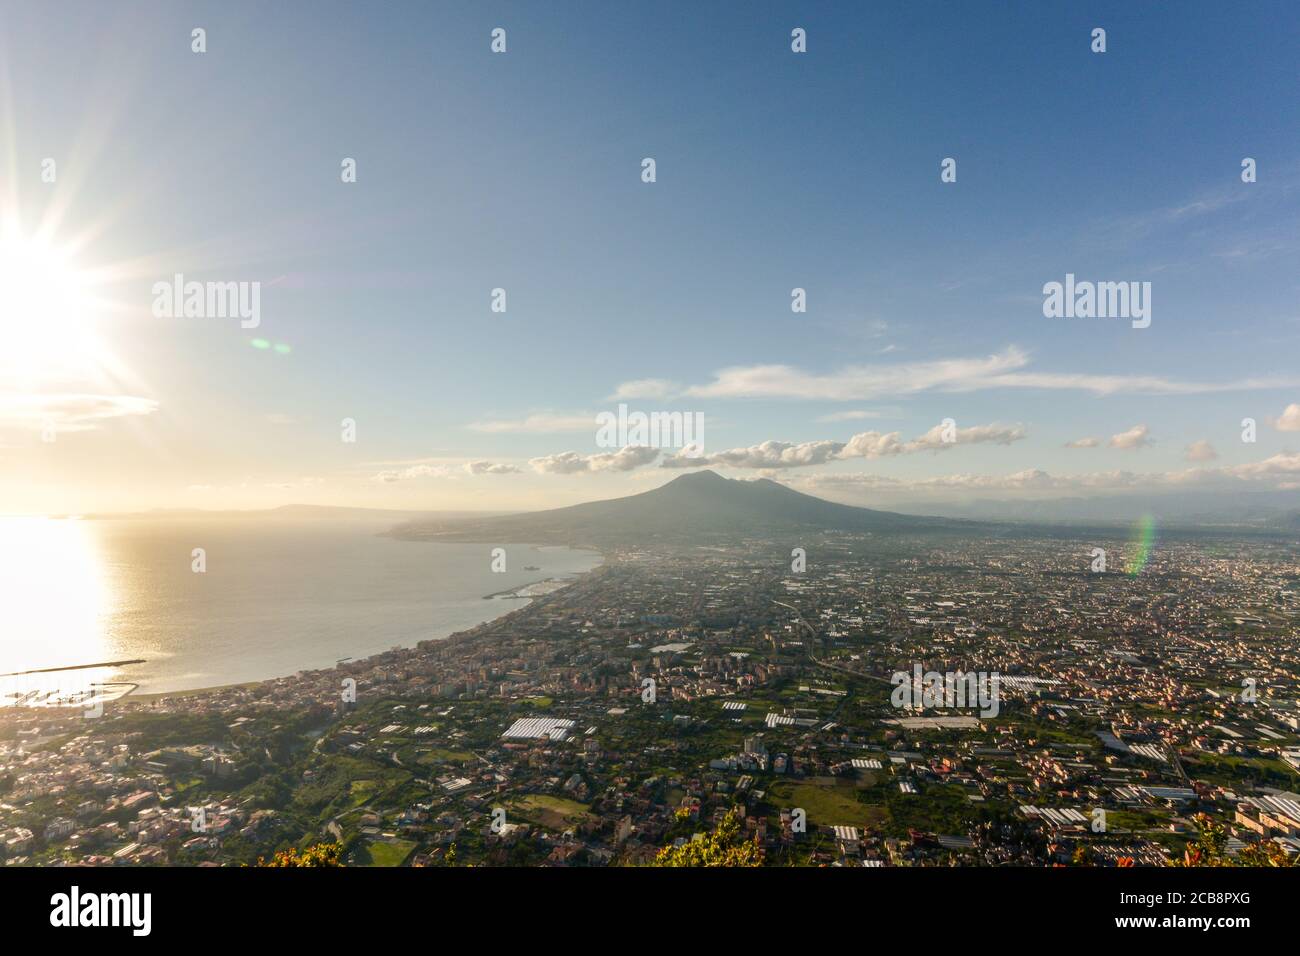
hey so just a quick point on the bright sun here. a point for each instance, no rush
(46, 310)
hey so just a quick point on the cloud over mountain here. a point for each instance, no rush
(570, 462)
(780, 455)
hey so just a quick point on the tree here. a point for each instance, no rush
(1210, 848)
(725, 846)
(321, 854)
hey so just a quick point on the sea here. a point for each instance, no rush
(203, 602)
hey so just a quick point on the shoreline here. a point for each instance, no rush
(560, 584)
(519, 592)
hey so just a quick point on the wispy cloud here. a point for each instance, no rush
(391, 475)
(69, 411)
(491, 468)
(857, 382)
(852, 416)
(1005, 369)
(441, 468)
(658, 388)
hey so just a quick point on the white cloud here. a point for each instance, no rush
(856, 382)
(1133, 384)
(975, 435)
(564, 463)
(851, 416)
(440, 468)
(1200, 451)
(1280, 472)
(768, 454)
(1083, 443)
(69, 411)
(1029, 479)
(873, 444)
(1284, 466)
(1135, 437)
(1289, 420)
(646, 388)
(413, 471)
(570, 462)
(491, 468)
(1005, 369)
(869, 445)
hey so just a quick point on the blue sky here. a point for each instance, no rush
(775, 170)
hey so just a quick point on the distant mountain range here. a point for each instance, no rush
(691, 508)
(699, 506)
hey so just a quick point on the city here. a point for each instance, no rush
(631, 710)
(763, 440)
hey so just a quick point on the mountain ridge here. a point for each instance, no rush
(692, 507)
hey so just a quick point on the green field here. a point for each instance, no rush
(386, 852)
(554, 813)
(439, 755)
(827, 805)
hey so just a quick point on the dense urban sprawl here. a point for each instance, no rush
(631, 709)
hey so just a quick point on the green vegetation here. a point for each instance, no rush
(440, 755)
(725, 846)
(384, 853)
(318, 855)
(937, 808)
(554, 813)
(834, 804)
(1210, 848)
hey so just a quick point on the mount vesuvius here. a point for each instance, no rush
(691, 509)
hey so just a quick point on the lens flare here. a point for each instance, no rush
(279, 347)
(1144, 537)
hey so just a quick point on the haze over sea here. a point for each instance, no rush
(278, 595)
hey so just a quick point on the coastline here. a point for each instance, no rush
(559, 584)
(531, 590)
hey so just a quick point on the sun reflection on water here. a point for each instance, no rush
(55, 598)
